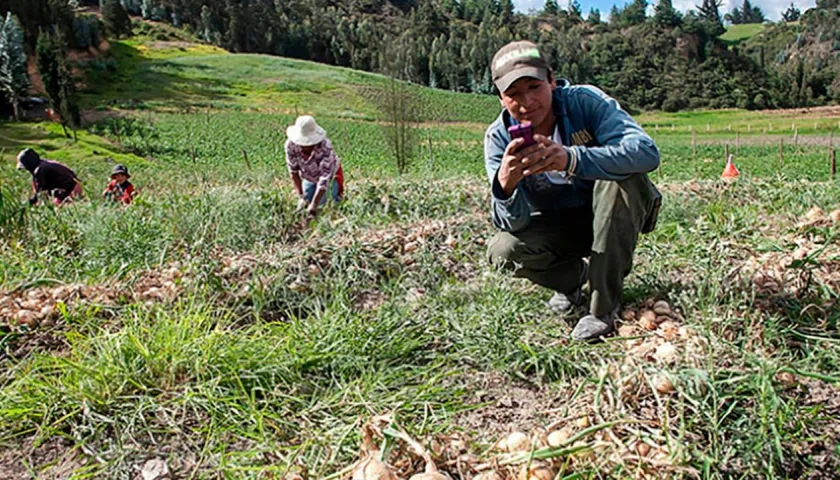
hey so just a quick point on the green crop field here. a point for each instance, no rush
(209, 327)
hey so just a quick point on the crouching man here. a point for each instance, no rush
(581, 191)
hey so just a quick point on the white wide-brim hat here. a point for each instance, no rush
(305, 132)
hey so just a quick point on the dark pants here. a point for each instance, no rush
(549, 251)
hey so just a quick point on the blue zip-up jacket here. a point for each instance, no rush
(604, 139)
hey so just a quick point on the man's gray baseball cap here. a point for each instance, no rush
(516, 60)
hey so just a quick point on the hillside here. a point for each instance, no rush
(180, 74)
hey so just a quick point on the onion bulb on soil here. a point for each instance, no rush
(662, 308)
(626, 331)
(558, 437)
(491, 475)
(666, 353)
(814, 214)
(27, 317)
(663, 384)
(642, 448)
(429, 476)
(515, 442)
(536, 471)
(373, 469)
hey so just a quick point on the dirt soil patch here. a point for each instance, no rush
(816, 112)
(506, 405)
(55, 459)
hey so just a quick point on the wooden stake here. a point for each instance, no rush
(192, 154)
(247, 162)
(781, 152)
(672, 127)
(796, 138)
(694, 143)
(708, 127)
(749, 127)
(833, 164)
(726, 152)
(737, 143)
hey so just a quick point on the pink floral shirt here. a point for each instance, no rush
(319, 168)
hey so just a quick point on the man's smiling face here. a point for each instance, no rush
(529, 99)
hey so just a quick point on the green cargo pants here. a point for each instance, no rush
(549, 251)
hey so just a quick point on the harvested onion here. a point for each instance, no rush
(373, 469)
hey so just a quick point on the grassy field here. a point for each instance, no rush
(210, 328)
(739, 33)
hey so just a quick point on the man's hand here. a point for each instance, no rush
(510, 171)
(312, 210)
(545, 156)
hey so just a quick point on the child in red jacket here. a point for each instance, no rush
(120, 189)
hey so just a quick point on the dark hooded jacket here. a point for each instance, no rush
(48, 176)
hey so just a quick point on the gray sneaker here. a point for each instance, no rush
(592, 328)
(560, 303)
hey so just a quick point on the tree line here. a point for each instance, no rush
(668, 60)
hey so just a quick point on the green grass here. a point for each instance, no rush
(198, 76)
(739, 33)
(278, 340)
(726, 123)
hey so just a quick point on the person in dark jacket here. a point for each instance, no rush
(119, 189)
(54, 178)
(581, 191)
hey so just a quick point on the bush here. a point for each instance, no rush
(673, 104)
(759, 102)
(116, 19)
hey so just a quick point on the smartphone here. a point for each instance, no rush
(524, 131)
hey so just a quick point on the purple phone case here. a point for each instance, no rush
(524, 130)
